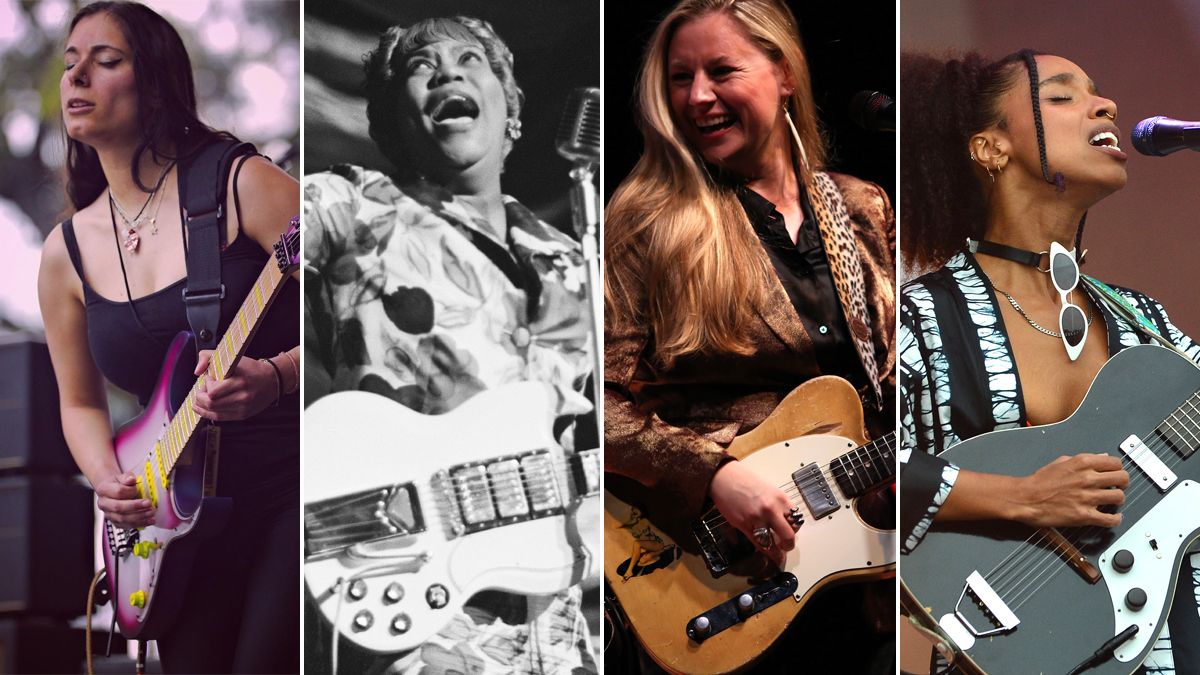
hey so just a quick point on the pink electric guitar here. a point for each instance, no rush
(147, 568)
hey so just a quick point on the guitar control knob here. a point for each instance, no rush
(393, 593)
(362, 621)
(400, 624)
(437, 596)
(357, 590)
(701, 626)
(1123, 560)
(137, 599)
(745, 604)
(1135, 599)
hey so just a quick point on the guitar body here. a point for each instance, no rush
(1063, 618)
(148, 568)
(410, 560)
(178, 523)
(661, 586)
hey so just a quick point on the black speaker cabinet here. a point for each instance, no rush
(45, 545)
(31, 436)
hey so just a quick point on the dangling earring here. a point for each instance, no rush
(796, 136)
(512, 128)
(999, 169)
(988, 169)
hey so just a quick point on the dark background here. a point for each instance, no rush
(849, 47)
(556, 48)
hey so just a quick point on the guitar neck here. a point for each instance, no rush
(866, 466)
(229, 350)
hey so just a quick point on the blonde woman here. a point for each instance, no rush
(736, 268)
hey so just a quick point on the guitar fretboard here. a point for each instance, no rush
(179, 431)
(865, 467)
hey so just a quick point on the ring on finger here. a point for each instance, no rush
(762, 536)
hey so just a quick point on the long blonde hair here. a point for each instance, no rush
(703, 276)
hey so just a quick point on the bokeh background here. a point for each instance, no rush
(1146, 58)
(246, 59)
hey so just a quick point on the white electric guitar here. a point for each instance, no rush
(408, 515)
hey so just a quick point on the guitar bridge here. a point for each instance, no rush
(334, 524)
(960, 628)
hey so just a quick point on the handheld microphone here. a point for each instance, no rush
(1159, 136)
(578, 137)
(873, 111)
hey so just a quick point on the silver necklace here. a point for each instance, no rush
(1040, 328)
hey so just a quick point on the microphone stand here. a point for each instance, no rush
(584, 210)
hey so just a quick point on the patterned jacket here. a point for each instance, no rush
(986, 393)
(665, 430)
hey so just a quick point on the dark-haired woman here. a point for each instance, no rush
(429, 285)
(1033, 147)
(110, 291)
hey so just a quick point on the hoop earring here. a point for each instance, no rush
(796, 136)
(512, 128)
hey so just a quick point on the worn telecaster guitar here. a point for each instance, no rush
(407, 516)
(1016, 600)
(148, 568)
(694, 613)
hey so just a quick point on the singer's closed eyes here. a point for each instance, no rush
(430, 286)
(1001, 162)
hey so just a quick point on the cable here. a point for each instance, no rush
(87, 631)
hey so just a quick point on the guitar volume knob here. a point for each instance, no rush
(745, 604)
(357, 590)
(393, 593)
(401, 624)
(1135, 599)
(363, 620)
(701, 626)
(1123, 560)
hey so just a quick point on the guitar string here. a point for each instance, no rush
(562, 469)
(792, 489)
(1135, 493)
(1051, 561)
(1159, 444)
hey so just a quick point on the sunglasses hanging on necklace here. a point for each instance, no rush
(1063, 269)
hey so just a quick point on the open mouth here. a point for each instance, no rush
(714, 124)
(1105, 139)
(79, 105)
(454, 108)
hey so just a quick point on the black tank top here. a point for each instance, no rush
(129, 340)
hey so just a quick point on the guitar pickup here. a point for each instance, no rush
(1150, 463)
(815, 490)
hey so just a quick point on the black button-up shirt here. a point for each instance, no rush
(803, 269)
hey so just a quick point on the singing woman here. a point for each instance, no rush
(110, 291)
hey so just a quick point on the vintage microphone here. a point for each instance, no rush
(578, 141)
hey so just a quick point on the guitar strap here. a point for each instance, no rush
(1124, 309)
(203, 178)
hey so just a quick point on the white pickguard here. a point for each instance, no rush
(357, 441)
(1168, 525)
(839, 541)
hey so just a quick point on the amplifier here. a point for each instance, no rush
(45, 545)
(31, 436)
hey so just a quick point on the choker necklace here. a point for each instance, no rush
(1017, 255)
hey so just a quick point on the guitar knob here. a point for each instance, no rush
(437, 596)
(1135, 599)
(138, 599)
(357, 590)
(1123, 560)
(393, 593)
(363, 620)
(701, 626)
(745, 604)
(400, 624)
